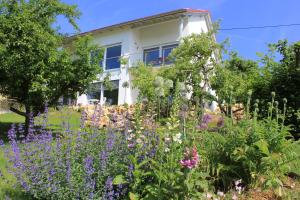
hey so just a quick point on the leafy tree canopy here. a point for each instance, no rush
(35, 66)
(194, 62)
(234, 78)
(283, 78)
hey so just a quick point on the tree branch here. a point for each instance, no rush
(17, 111)
(237, 110)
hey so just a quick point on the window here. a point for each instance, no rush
(97, 92)
(112, 60)
(93, 91)
(166, 51)
(151, 57)
(159, 55)
(111, 94)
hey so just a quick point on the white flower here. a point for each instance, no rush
(139, 141)
(238, 186)
(129, 131)
(208, 196)
(293, 185)
(237, 182)
(167, 149)
(239, 189)
(130, 137)
(142, 136)
(221, 194)
(177, 138)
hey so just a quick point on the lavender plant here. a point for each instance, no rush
(71, 165)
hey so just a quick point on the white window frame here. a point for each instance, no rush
(160, 47)
(104, 57)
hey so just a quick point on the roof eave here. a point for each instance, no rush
(140, 22)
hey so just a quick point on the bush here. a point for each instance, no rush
(257, 152)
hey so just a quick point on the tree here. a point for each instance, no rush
(35, 66)
(234, 79)
(283, 78)
(142, 78)
(195, 60)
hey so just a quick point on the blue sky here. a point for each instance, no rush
(232, 13)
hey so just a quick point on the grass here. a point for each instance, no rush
(55, 120)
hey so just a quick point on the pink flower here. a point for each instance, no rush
(191, 158)
(130, 145)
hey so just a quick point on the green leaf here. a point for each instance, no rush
(119, 179)
(133, 196)
(263, 146)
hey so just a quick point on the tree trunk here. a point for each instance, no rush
(25, 114)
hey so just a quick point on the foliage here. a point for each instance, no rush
(143, 161)
(254, 151)
(143, 78)
(195, 60)
(234, 78)
(36, 67)
(283, 78)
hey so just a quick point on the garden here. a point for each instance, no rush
(183, 156)
(169, 144)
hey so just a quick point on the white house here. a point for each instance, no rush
(149, 39)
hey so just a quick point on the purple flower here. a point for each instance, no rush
(130, 171)
(83, 118)
(1, 143)
(88, 166)
(206, 119)
(110, 141)
(103, 159)
(12, 133)
(89, 180)
(109, 190)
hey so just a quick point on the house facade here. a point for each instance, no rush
(149, 40)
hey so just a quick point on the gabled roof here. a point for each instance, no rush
(145, 20)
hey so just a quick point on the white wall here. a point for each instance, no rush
(162, 33)
(197, 24)
(134, 41)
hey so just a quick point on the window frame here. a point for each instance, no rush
(105, 57)
(175, 45)
(161, 56)
(153, 49)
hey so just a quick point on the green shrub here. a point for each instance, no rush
(255, 151)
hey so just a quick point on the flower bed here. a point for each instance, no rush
(188, 157)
